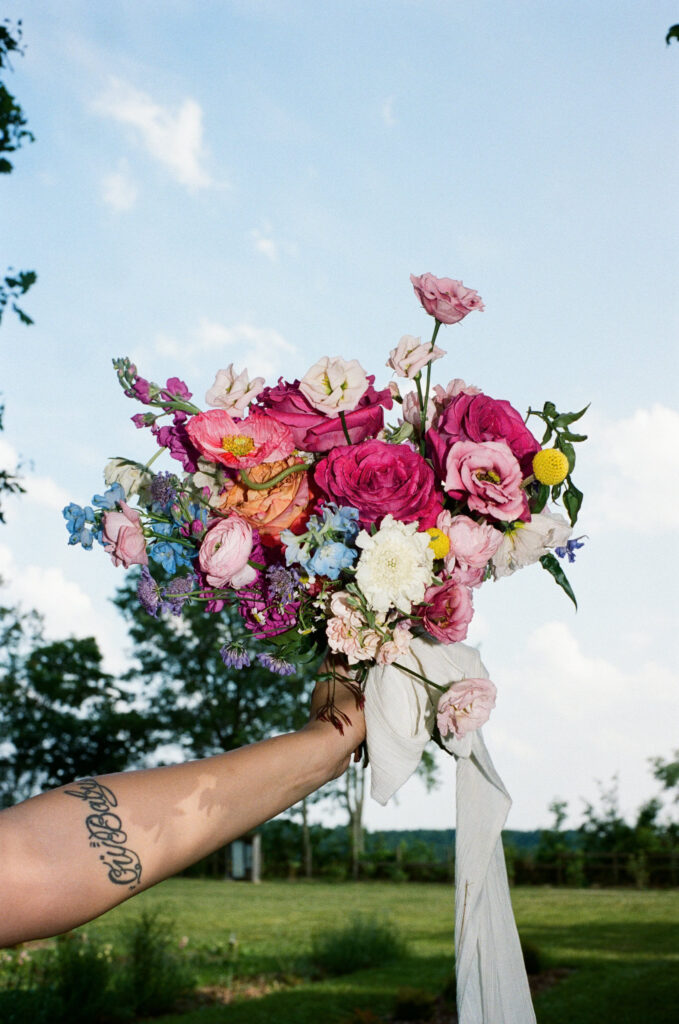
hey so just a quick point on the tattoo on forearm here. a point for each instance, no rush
(106, 832)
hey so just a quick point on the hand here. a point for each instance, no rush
(346, 712)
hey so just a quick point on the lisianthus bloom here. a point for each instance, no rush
(333, 385)
(314, 431)
(465, 707)
(445, 299)
(399, 644)
(410, 355)
(211, 480)
(447, 611)
(277, 508)
(224, 553)
(472, 545)
(410, 411)
(233, 391)
(123, 537)
(488, 476)
(395, 566)
(525, 543)
(239, 444)
(131, 476)
(379, 479)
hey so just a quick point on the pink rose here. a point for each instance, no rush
(379, 478)
(224, 553)
(472, 545)
(445, 299)
(123, 536)
(312, 431)
(239, 443)
(465, 707)
(488, 476)
(447, 611)
(476, 417)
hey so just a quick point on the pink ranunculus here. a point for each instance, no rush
(472, 545)
(239, 444)
(488, 477)
(465, 707)
(476, 417)
(444, 298)
(447, 611)
(410, 355)
(380, 479)
(224, 553)
(123, 536)
(312, 431)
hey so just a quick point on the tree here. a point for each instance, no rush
(10, 483)
(667, 772)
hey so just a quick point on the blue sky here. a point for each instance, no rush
(253, 182)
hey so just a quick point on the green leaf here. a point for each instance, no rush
(549, 409)
(546, 436)
(556, 491)
(567, 448)
(567, 436)
(565, 418)
(403, 432)
(541, 498)
(572, 500)
(553, 567)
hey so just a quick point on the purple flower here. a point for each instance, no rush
(234, 655)
(141, 389)
(277, 665)
(176, 388)
(148, 592)
(180, 446)
(282, 583)
(571, 546)
(176, 593)
(163, 489)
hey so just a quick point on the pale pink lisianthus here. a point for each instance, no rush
(410, 410)
(445, 299)
(447, 611)
(472, 545)
(410, 355)
(333, 385)
(488, 476)
(123, 536)
(233, 391)
(224, 553)
(239, 444)
(442, 396)
(399, 644)
(465, 707)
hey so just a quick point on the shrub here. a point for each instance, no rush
(364, 942)
(414, 1004)
(155, 973)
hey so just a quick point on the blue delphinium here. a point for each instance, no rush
(110, 498)
(330, 559)
(569, 549)
(323, 549)
(79, 522)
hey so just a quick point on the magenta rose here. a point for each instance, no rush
(488, 477)
(465, 707)
(224, 553)
(447, 300)
(379, 478)
(313, 431)
(447, 611)
(123, 537)
(480, 418)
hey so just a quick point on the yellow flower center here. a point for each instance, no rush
(550, 466)
(238, 444)
(439, 543)
(489, 475)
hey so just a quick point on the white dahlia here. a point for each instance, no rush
(395, 567)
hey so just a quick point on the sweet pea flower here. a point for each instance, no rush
(232, 391)
(465, 707)
(445, 299)
(333, 385)
(123, 537)
(410, 355)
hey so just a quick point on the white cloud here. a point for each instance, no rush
(118, 190)
(9, 457)
(42, 490)
(388, 111)
(262, 350)
(175, 138)
(266, 245)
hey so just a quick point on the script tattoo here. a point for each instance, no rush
(106, 832)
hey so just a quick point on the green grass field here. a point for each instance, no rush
(622, 947)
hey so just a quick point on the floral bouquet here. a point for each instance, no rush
(328, 528)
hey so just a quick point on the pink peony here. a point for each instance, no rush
(224, 553)
(312, 431)
(472, 545)
(123, 537)
(239, 443)
(445, 299)
(380, 479)
(447, 611)
(465, 707)
(488, 476)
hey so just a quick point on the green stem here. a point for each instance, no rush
(437, 325)
(418, 676)
(154, 457)
(299, 467)
(344, 427)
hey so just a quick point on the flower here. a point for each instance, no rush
(465, 707)
(439, 542)
(447, 611)
(329, 560)
(277, 665)
(239, 443)
(178, 442)
(123, 537)
(234, 655)
(568, 551)
(488, 476)
(550, 466)
(390, 650)
(445, 299)
(333, 385)
(314, 432)
(148, 592)
(410, 355)
(210, 479)
(379, 478)
(163, 489)
(410, 410)
(177, 593)
(77, 519)
(525, 543)
(224, 553)
(471, 546)
(232, 391)
(395, 566)
(270, 606)
(275, 509)
(131, 476)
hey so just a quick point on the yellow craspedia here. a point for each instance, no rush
(550, 466)
(439, 543)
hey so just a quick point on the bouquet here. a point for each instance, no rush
(328, 527)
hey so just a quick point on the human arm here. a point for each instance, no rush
(72, 853)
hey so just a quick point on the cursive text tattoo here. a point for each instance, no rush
(106, 832)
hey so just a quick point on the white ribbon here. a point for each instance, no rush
(400, 711)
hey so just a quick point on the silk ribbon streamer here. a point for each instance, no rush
(400, 713)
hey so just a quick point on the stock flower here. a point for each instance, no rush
(445, 299)
(333, 385)
(239, 443)
(123, 537)
(410, 355)
(465, 707)
(277, 508)
(395, 566)
(232, 391)
(224, 553)
(525, 543)
(488, 476)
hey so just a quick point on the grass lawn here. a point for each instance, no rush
(622, 946)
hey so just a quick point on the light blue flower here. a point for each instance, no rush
(170, 556)
(110, 498)
(330, 559)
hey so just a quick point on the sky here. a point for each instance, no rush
(252, 181)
